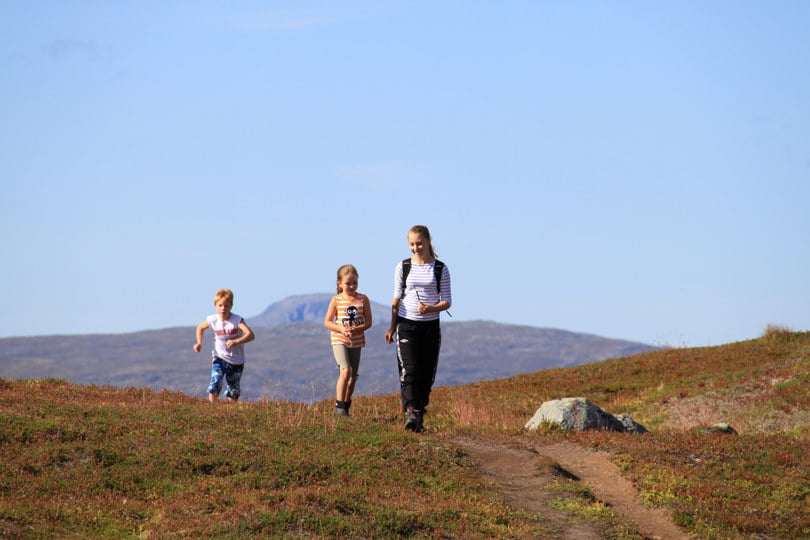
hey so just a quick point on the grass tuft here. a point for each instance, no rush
(776, 332)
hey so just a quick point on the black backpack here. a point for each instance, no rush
(438, 266)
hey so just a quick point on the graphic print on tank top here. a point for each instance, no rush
(352, 319)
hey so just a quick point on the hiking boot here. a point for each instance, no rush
(340, 412)
(411, 420)
(420, 418)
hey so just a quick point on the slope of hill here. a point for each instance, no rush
(92, 462)
(292, 359)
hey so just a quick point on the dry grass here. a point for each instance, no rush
(105, 462)
(776, 331)
(109, 462)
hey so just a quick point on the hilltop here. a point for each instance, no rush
(101, 461)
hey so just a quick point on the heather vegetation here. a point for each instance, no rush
(107, 462)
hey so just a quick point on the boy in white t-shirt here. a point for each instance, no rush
(231, 332)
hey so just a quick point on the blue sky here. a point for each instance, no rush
(638, 170)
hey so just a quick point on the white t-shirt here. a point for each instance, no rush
(223, 331)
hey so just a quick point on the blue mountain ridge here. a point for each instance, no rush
(291, 358)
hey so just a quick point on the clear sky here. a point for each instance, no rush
(631, 169)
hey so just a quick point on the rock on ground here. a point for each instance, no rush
(579, 414)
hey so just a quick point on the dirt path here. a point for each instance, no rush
(526, 486)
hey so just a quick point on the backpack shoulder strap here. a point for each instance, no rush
(406, 268)
(438, 267)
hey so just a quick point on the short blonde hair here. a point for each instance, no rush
(224, 294)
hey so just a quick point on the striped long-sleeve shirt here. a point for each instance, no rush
(421, 285)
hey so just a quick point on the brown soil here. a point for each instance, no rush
(526, 476)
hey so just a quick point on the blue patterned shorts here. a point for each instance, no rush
(231, 373)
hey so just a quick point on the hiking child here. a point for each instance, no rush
(231, 332)
(348, 317)
(421, 293)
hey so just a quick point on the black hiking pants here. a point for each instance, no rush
(418, 344)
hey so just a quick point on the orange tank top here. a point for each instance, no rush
(350, 313)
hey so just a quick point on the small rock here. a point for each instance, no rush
(630, 425)
(721, 428)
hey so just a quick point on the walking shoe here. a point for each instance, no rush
(339, 413)
(411, 420)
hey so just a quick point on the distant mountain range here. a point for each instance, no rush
(308, 308)
(291, 358)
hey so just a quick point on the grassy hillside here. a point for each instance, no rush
(108, 462)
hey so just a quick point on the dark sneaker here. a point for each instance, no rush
(412, 420)
(340, 413)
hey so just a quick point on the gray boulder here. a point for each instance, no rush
(579, 414)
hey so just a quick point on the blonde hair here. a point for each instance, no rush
(344, 271)
(224, 294)
(423, 231)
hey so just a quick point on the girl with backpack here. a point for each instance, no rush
(421, 293)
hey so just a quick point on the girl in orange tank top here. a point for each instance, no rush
(348, 317)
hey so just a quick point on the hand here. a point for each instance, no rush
(389, 336)
(197, 347)
(424, 308)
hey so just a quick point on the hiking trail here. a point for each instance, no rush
(514, 471)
